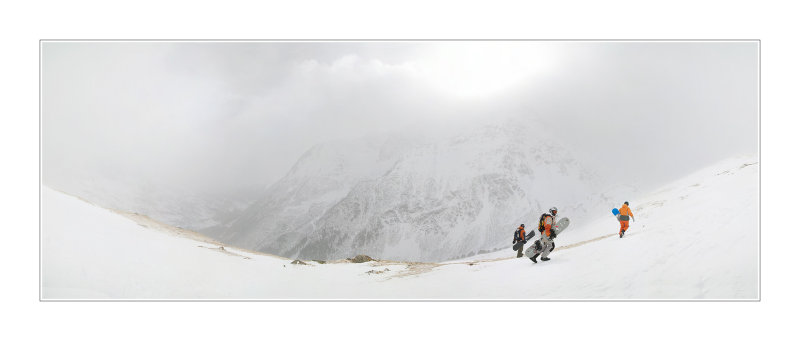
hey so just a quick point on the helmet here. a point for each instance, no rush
(521, 225)
(626, 203)
(553, 210)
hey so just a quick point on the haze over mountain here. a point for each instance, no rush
(418, 197)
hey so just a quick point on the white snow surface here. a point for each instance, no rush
(696, 238)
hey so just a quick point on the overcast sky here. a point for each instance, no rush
(233, 114)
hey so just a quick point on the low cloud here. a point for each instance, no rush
(218, 115)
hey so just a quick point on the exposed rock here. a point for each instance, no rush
(360, 259)
(319, 261)
(297, 261)
(373, 272)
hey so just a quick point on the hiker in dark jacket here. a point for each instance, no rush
(519, 239)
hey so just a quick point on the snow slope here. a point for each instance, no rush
(697, 238)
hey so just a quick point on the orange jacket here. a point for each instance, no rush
(548, 223)
(625, 210)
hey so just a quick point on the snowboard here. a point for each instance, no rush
(561, 225)
(615, 211)
(558, 227)
(531, 250)
(518, 245)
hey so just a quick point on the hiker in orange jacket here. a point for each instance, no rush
(545, 242)
(625, 214)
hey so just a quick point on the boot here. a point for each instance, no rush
(545, 259)
(534, 258)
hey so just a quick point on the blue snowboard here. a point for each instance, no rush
(615, 211)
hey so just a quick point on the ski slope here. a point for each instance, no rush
(696, 238)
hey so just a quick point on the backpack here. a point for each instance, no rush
(541, 221)
(516, 235)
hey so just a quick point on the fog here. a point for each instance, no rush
(220, 116)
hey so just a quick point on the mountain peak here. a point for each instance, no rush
(400, 197)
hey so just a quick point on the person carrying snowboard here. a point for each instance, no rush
(625, 214)
(520, 238)
(545, 242)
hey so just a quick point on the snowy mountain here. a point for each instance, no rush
(695, 238)
(420, 198)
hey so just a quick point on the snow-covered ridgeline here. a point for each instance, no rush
(427, 199)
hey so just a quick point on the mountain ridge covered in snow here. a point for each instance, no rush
(427, 198)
